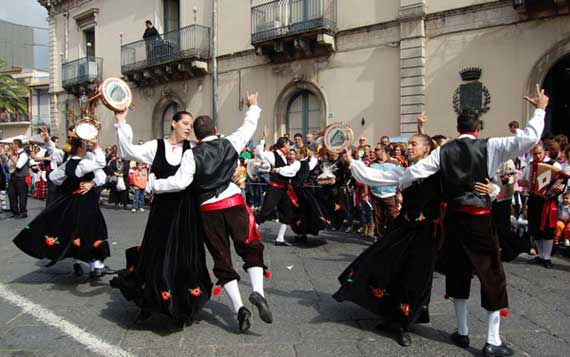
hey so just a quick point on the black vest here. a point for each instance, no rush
(25, 170)
(72, 182)
(162, 169)
(464, 162)
(216, 162)
(279, 162)
(302, 175)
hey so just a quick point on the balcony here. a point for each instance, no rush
(13, 119)
(542, 7)
(82, 74)
(173, 55)
(292, 29)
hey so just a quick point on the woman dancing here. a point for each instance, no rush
(167, 273)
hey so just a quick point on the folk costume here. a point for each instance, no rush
(209, 168)
(470, 240)
(167, 273)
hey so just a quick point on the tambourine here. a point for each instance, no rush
(87, 128)
(115, 94)
(338, 137)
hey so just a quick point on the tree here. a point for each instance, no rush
(12, 94)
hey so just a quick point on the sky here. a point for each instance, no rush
(30, 13)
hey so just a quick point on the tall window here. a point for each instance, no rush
(89, 43)
(171, 15)
(303, 114)
(167, 115)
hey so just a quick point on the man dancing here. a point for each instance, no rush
(471, 243)
(209, 167)
(279, 193)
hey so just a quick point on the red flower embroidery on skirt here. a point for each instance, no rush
(379, 293)
(97, 243)
(51, 241)
(195, 292)
(405, 309)
(77, 242)
(166, 295)
(217, 290)
(131, 269)
(267, 274)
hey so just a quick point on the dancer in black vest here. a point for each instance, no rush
(279, 192)
(73, 226)
(167, 273)
(470, 241)
(17, 187)
(209, 167)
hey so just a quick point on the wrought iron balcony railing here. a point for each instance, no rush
(82, 71)
(12, 118)
(188, 42)
(284, 18)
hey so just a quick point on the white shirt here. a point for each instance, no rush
(286, 171)
(498, 150)
(22, 159)
(147, 151)
(93, 162)
(185, 174)
(56, 154)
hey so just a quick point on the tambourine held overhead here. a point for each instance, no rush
(115, 94)
(338, 137)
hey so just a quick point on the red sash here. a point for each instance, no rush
(234, 201)
(290, 192)
(473, 211)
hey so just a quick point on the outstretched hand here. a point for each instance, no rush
(540, 101)
(122, 116)
(44, 134)
(484, 188)
(251, 99)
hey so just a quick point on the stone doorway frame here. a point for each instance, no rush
(282, 103)
(158, 111)
(540, 70)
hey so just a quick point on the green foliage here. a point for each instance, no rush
(12, 94)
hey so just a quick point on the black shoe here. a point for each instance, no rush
(403, 337)
(536, 260)
(77, 269)
(547, 263)
(243, 319)
(460, 340)
(21, 216)
(282, 244)
(497, 351)
(259, 301)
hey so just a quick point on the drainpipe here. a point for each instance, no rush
(214, 62)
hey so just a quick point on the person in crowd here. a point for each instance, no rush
(362, 142)
(140, 180)
(383, 197)
(309, 141)
(4, 177)
(385, 141)
(514, 127)
(398, 155)
(298, 139)
(118, 190)
(563, 221)
(19, 167)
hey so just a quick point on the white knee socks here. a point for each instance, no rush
(256, 277)
(547, 249)
(461, 315)
(281, 235)
(232, 289)
(493, 323)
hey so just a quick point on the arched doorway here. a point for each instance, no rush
(556, 84)
(303, 114)
(167, 115)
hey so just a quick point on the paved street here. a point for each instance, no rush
(308, 322)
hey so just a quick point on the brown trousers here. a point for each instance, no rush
(471, 247)
(232, 222)
(385, 211)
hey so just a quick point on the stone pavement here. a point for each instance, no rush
(308, 322)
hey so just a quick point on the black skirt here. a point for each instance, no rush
(71, 227)
(310, 216)
(167, 273)
(393, 277)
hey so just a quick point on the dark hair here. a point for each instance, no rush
(439, 139)
(71, 128)
(303, 152)
(298, 135)
(148, 22)
(75, 144)
(178, 116)
(514, 124)
(203, 127)
(54, 138)
(384, 137)
(18, 142)
(468, 121)
(281, 142)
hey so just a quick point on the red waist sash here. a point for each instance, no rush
(290, 191)
(473, 211)
(234, 201)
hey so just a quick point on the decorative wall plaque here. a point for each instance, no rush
(473, 94)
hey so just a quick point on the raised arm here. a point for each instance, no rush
(372, 177)
(240, 137)
(422, 169)
(289, 170)
(181, 179)
(127, 150)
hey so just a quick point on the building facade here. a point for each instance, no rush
(373, 64)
